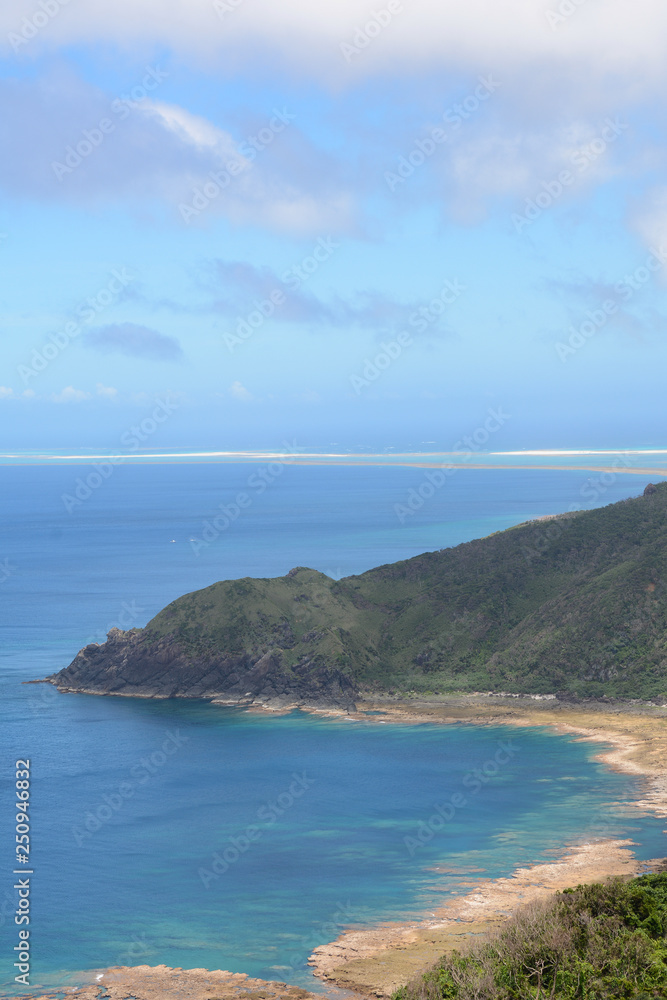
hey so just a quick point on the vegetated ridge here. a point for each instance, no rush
(595, 942)
(572, 605)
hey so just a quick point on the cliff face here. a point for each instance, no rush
(245, 641)
(129, 663)
(574, 605)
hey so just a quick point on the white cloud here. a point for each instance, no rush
(69, 395)
(5, 392)
(239, 391)
(106, 390)
(615, 37)
(559, 79)
(192, 129)
(489, 162)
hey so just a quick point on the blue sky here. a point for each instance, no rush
(360, 224)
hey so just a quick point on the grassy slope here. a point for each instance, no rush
(597, 942)
(573, 604)
(298, 614)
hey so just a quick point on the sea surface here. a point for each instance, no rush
(192, 835)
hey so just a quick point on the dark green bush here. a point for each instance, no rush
(596, 942)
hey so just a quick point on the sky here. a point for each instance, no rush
(342, 225)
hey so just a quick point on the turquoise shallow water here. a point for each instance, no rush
(133, 800)
(142, 810)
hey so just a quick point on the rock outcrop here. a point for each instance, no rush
(130, 663)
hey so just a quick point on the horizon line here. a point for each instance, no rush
(274, 453)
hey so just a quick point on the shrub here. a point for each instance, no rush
(596, 942)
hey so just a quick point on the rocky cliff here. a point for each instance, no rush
(260, 662)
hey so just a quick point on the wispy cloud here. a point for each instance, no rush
(234, 287)
(630, 307)
(68, 141)
(134, 341)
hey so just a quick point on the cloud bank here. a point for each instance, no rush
(611, 39)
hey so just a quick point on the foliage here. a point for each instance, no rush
(595, 942)
(574, 604)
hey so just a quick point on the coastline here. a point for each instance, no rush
(157, 982)
(375, 961)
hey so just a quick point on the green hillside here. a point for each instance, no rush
(595, 942)
(573, 604)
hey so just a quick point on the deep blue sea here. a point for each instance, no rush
(140, 809)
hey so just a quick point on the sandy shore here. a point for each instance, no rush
(376, 961)
(651, 471)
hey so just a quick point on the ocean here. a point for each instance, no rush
(198, 836)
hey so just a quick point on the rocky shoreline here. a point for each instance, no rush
(159, 982)
(132, 664)
(375, 961)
